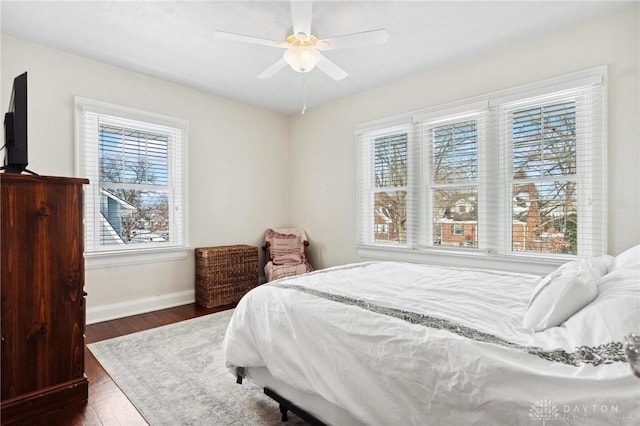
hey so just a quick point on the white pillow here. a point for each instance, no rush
(586, 269)
(558, 300)
(614, 312)
(564, 292)
(627, 258)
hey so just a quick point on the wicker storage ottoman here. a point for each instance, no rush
(224, 274)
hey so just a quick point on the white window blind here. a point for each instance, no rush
(520, 172)
(452, 191)
(384, 201)
(552, 172)
(135, 163)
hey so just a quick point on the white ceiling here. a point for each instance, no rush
(174, 40)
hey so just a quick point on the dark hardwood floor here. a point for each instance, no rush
(107, 404)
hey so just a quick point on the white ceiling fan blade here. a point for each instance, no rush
(273, 69)
(354, 40)
(248, 39)
(301, 18)
(331, 69)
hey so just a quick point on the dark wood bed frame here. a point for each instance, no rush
(286, 405)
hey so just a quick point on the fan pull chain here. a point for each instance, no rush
(304, 93)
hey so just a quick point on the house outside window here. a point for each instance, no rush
(521, 171)
(135, 164)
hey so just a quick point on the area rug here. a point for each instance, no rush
(175, 375)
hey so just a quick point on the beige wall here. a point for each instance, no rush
(322, 145)
(237, 159)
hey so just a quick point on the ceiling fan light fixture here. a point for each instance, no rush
(302, 58)
(303, 49)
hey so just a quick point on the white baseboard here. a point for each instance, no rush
(139, 306)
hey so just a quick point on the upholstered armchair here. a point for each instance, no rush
(285, 253)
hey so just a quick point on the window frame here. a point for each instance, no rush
(586, 147)
(473, 112)
(366, 195)
(87, 165)
(492, 194)
(457, 229)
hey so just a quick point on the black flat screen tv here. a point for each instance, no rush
(15, 128)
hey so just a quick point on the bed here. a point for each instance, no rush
(392, 343)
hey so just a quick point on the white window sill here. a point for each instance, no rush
(108, 259)
(523, 263)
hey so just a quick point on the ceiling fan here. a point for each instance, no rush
(302, 49)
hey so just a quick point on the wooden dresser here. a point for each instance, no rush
(42, 295)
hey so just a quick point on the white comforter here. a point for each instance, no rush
(399, 344)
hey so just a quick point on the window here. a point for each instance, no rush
(386, 190)
(457, 229)
(452, 150)
(517, 172)
(134, 162)
(543, 178)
